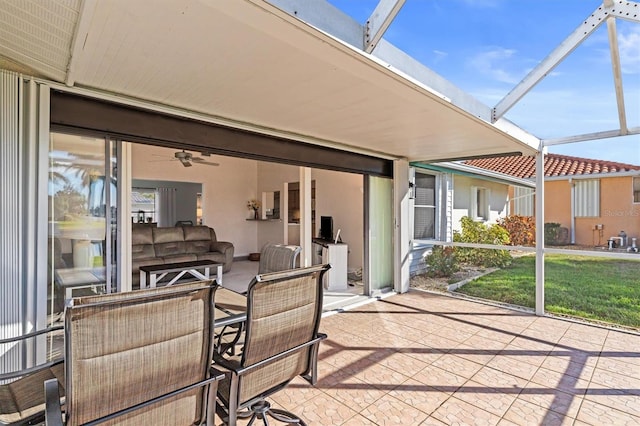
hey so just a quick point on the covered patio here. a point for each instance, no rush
(427, 359)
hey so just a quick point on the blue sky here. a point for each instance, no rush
(486, 47)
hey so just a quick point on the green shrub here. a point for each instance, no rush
(479, 233)
(522, 229)
(442, 262)
(551, 233)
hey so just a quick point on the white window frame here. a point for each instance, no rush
(480, 207)
(434, 207)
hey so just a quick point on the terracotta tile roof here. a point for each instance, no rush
(554, 165)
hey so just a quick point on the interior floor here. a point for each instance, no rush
(241, 273)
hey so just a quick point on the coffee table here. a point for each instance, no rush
(157, 272)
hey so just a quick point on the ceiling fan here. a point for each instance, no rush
(187, 159)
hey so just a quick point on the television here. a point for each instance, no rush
(326, 228)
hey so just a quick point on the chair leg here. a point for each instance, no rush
(262, 410)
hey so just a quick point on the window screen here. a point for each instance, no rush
(425, 207)
(587, 198)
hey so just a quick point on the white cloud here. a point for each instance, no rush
(492, 63)
(629, 45)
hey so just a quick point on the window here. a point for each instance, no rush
(636, 189)
(587, 198)
(479, 209)
(424, 218)
(522, 201)
(143, 202)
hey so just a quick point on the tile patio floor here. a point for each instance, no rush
(426, 359)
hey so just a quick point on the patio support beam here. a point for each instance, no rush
(590, 136)
(617, 73)
(379, 21)
(79, 39)
(540, 231)
(587, 27)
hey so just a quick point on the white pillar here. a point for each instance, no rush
(540, 232)
(401, 237)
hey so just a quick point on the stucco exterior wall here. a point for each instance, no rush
(462, 185)
(617, 210)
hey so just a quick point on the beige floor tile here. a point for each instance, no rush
(513, 365)
(565, 365)
(485, 397)
(323, 410)
(298, 391)
(381, 377)
(497, 379)
(615, 380)
(619, 398)
(596, 414)
(526, 414)
(358, 420)
(457, 412)
(619, 365)
(439, 342)
(354, 393)
(405, 354)
(402, 363)
(390, 411)
(418, 395)
(564, 382)
(440, 379)
(551, 399)
(432, 421)
(458, 365)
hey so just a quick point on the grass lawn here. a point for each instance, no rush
(588, 287)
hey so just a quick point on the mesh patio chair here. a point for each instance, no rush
(281, 342)
(273, 258)
(21, 396)
(278, 257)
(136, 358)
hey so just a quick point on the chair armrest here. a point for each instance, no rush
(53, 409)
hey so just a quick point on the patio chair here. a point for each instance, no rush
(281, 342)
(135, 358)
(278, 257)
(21, 396)
(273, 258)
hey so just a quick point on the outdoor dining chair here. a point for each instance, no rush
(278, 257)
(281, 342)
(273, 258)
(136, 358)
(21, 396)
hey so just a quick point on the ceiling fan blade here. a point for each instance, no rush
(199, 160)
(185, 162)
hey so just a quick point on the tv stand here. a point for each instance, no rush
(336, 255)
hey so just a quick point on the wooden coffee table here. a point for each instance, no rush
(157, 272)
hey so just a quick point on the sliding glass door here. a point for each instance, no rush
(82, 218)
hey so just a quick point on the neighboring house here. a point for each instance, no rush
(447, 192)
(594, 199)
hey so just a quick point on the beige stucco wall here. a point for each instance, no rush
(617, 210)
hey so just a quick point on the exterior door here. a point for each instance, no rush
(82, 219)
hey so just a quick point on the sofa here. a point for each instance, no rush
(157, 246)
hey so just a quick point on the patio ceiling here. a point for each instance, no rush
(245, 63)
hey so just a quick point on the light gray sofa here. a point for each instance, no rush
(157, 246)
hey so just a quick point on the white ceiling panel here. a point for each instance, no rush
(38, 34)
(248, 62)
